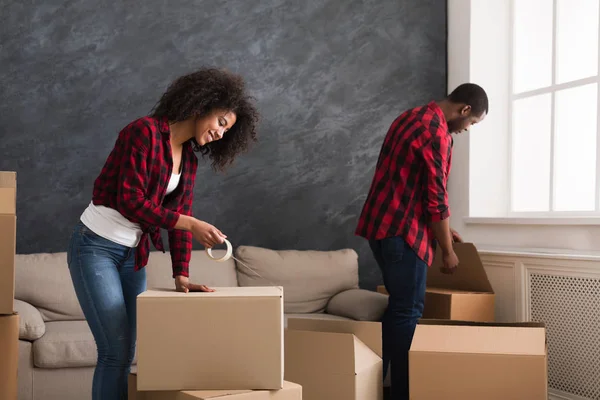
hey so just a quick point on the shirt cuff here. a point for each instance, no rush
(171, 220)
(440, 216)
(181, 268)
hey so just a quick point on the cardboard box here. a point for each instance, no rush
(9, 356)
(465, 295)
(290, 391)
(470, 360)
(334, 360)
(8, 192)
(228, 339)
(8, 230)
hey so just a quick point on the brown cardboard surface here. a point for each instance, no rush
(290, 391)
(333, 365)
(8, 192)
(8, 226)
(459, 305)
(467, 360)
(488, 339)
(481, 323)
(9, 356)
(368, 332)
(469, 276)
(464, 295)
(231, 339)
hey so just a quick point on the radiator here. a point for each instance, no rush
(564, 293)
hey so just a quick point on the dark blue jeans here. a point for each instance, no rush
(405, 278)
(107, 286)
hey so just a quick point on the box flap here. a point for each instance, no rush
(434, 290)
(477, 323)
(284, 392)
(319, 351)
(367, 383)
(220, 394)
(480, 339)
(238, 291)
(470, 274)
(8, 192)
(368, 332)
(364, 357)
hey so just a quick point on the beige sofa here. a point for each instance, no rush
(57, 352)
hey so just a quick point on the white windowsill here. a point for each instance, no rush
(573, 221)
(554, 254)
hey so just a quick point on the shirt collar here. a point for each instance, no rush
(433, 106)
(163, 126)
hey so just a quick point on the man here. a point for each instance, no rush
(406, 213)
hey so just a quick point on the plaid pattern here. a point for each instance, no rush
(134, 180)
(408, 191)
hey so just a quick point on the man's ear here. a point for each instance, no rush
(465, 110)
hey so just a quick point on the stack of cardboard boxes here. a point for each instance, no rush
(9, 321)
(459, 352)
(230, 345)
(225, 345)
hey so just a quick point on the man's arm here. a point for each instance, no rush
(441, 230)
(436, 155)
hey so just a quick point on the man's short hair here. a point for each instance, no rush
(472, 95)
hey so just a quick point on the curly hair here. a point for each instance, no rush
(198, 94)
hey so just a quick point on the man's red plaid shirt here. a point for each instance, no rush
(409, 189)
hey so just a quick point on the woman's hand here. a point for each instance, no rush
(206, 234)
(182, 284)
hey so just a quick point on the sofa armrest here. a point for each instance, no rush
(358, 304)
(31, 323)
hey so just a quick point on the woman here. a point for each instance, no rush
(146, 184)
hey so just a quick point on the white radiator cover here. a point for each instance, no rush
(563, 291)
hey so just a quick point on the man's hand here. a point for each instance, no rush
(182, 284)
(455, 236)
(450, 262)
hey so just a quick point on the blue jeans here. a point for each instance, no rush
(107, 286)
(405, 278)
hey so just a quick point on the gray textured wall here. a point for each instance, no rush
(329, 77)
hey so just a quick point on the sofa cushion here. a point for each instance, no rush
(309, 278)
(358, 304)
(43, 280)
(31, 324)
(65, 344)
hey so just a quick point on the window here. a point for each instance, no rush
(554, 151)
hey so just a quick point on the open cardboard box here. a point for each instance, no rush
(290, 391)
(455, 360)
(8, 227)
(465, 295)
(334, 360)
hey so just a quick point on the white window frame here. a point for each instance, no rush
(552, 89)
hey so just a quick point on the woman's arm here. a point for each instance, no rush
(180, 238)
(132, 199)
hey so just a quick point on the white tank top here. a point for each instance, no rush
(112, 225)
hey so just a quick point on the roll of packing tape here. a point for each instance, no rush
(227, 255)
